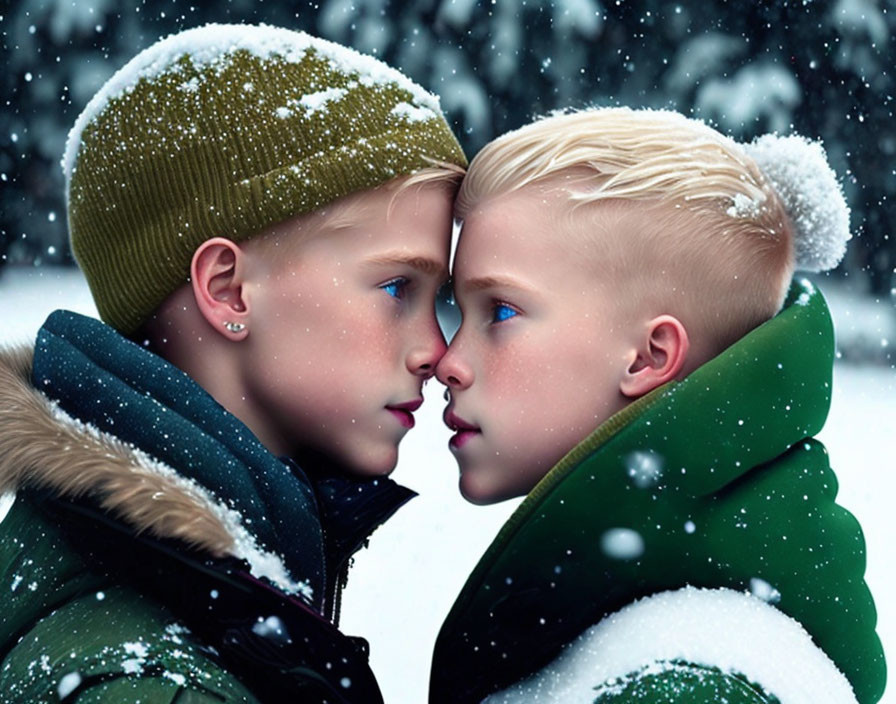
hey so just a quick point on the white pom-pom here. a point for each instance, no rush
(799, 172)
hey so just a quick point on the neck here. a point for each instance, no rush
(182, 336)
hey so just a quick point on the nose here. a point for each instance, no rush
(424, 356)
(452, 370)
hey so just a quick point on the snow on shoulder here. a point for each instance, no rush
(734, 632)
(169, 489)
(213, 43)
(799, 172)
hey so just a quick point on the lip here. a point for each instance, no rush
(464, 431)
(404, 411)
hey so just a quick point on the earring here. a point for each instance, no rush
(234, 327)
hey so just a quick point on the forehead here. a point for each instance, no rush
(533, 226)
(394, 204)
(414, 222)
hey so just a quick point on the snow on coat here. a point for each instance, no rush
(735, 639)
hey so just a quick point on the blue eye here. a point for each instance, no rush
(502, 312)
(395, 287)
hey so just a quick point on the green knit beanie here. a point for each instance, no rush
(225, 130)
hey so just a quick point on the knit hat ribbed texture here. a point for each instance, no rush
(225, 130)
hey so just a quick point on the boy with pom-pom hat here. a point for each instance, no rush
(634, 357)
(266, 215)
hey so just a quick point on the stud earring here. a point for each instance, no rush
(234, 327)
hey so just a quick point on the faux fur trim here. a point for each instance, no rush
(42, 447)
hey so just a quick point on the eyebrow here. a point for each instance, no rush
(488, 282)
(430, 267)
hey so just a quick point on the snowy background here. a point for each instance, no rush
(824, 69)
(404, 584)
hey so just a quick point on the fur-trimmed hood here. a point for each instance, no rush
(44, 448)
(89, 416)
(139, 499)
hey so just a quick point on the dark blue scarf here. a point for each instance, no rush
(107, 381)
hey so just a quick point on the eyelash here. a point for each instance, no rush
(400, 283)
(499, 306)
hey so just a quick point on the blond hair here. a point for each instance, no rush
(717, 217)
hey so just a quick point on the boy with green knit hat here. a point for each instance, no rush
(636, 359)
(267, 215)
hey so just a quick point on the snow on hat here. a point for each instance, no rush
(225, 130)
(799, 172)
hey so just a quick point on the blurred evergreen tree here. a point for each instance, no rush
(821, 69)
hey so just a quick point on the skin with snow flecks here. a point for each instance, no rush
(546, 352)
(348, 320)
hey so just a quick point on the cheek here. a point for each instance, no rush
(340, 343)
(349, 325)
(371, 345)
(528, 373)
(546, 393)
(504, 373)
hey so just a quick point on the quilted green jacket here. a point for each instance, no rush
(707, 491)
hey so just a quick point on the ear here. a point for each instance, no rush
(659, 359)
(217, 273)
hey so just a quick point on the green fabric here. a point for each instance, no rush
(227, 145)
(674, 683)
(31, 585)
(743, 494)
(60, 619)
(147, 690)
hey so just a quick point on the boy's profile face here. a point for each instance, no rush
(537, 361)
(344, 331)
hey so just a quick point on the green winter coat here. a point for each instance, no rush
(65, 627)
(155, 550)
(713, 482)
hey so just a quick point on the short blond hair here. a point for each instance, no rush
(728, 217)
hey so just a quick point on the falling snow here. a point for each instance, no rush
(827, 82)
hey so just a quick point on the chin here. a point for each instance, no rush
(479, 491)
(373, 464)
